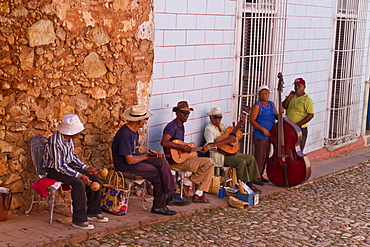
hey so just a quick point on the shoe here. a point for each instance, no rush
(255, 189)
(150, 190)
(177, 201)
(201, 199)
(97, 217)
(258, 182)
(83, 225)
(164, 211)
(185, 192)
(265, 180)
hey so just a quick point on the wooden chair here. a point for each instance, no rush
(132, 179)
(37, 152)
(228, 175)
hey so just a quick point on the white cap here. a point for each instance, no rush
(70, 125)
(263, 87)
(214, 111)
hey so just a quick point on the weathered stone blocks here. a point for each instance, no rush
(91, 58)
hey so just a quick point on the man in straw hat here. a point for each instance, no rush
(127, 158)
(262, 118)
(201, 168)
(245, 164)
(62, 164)
(299, 108)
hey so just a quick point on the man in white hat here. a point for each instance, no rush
(245, 164)
(262, 118)
(62, 164)
(127, 158)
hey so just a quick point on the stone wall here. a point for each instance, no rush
(92, 58)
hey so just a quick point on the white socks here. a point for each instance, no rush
(187, 182)
(199, 192)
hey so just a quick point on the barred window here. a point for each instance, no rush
(347, 68)
(261, 38)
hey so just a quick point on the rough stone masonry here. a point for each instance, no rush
(92, 58)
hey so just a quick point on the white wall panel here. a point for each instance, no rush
(196, 6)
(195, 37)
(186, 21)
(167, 21)
(173, 69)
(215, 7)
(194, 67)
(183, 83)
(173, 38)
(164, 54)
(204, 52)
(185, 52)
(176, 6)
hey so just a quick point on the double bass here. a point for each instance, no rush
(288, 166)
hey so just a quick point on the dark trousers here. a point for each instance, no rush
(158, 172)
(80, 194)
(261, 152)
(302, 144)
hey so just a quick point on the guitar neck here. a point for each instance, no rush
(237, 127)
(155, 155)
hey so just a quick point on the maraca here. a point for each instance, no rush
(95, 186)
(103, 172)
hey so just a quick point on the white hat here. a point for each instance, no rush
(214, 111)
(136, 113)
(70, 125)
(263, 87)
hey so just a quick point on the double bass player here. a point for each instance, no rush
(288, 166)
(299, 108)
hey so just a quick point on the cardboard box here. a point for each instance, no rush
(252, 199)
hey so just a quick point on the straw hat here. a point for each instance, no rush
(214, 111)
(182, 105)
(136, 113)
(70, 125)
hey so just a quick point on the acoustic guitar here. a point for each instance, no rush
(233, 147)
(179, 156)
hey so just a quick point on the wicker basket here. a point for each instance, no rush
(215, 185)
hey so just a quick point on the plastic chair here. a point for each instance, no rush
(37, 152)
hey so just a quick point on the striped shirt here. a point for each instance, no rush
(60, 155)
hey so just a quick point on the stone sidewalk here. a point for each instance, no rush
(34, 229)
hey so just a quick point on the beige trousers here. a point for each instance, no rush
(201, 168)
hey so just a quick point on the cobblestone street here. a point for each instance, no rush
(333, 211)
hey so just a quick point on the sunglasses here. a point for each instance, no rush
(217, 117)
(184, 112)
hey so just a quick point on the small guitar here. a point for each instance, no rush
(179, 156)
(233, 147)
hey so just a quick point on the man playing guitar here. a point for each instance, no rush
(201, 168)
(245, 164)
(127, 158)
